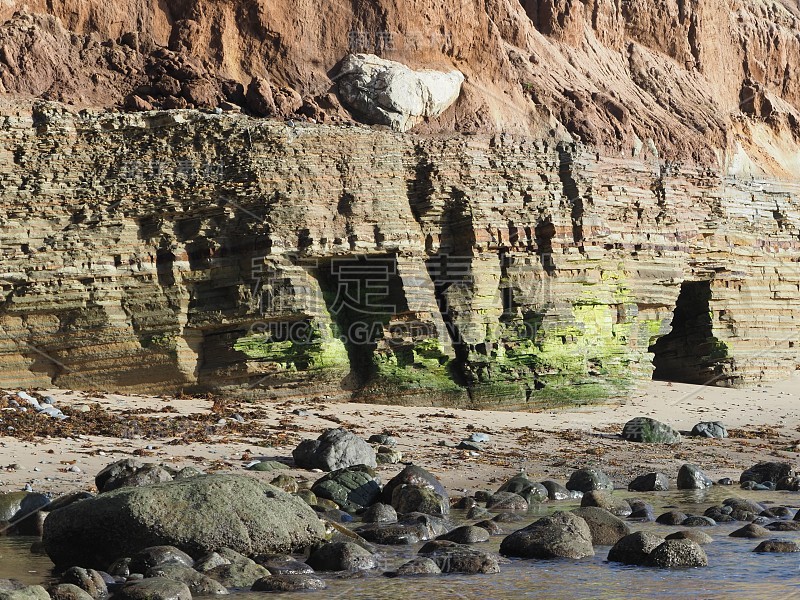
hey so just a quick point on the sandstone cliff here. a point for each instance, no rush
(187, 250)
(612, 197)
(711, 82)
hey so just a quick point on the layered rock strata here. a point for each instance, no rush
(186, 250)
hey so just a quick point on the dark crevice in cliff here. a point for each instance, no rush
(450, 271)
(420, 187)
(445, 271)
(690, 353)
(545, 232)
(452, 262)
(566, 166)
(362, 294)
(694, 40)
(659, 189)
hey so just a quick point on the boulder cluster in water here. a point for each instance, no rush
(154, 533)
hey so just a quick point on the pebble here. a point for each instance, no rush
(468, 445)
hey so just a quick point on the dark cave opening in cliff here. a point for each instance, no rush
(690, 353)
(362, 294)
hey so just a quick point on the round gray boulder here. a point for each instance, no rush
(419, 566)
(710, 429)
(68, 591)
(751, 530)
(589, 479)
(341, 556)
(556, 491)
(88, 580)
(393, 534)
(530, 490)
(456, 558)
(562, 535)
(288, 583)
(507, 501)
(767, 471)
(635, 549)
(690, 477)
(696, 536)
(671, 517)
(775, 545)
(650, 482)
(415, 476)
(198, 583)
(351, 488)
(156, 588)
(197, 515)
(156, 556)
(649, 431)
(334, 449)
(412, 498)
(466, 534)
(606, 528)
(380, 513)
(616, 506)
(678, 553)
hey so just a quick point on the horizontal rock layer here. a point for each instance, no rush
(185, 250)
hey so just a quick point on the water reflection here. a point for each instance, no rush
(734, 571)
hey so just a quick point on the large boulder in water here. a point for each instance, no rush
(635, 548)
(351, 488)
(690, 477)
(606, 528)
(385, 92)
(562, 535)
(416, 476)
(412, 498)
(334, 449)
(529, 490)
(589, 479)
(197, 515)
(678, 553)
(650, 482)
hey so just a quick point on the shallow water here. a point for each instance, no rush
(733, 571)
(17, 562)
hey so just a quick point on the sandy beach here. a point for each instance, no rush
(763, 422)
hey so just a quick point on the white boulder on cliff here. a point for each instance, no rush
(386, 92)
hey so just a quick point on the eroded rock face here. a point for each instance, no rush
(389, 93)
(556, 275)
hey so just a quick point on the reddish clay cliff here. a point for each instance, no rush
(697, 81)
